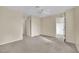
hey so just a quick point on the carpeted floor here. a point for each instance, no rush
(38, 44)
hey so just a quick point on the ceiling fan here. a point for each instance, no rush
(41, 10)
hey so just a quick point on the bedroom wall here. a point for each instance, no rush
(11, 25)
(72, 26)
(35, 26)
(48, 26)
(70, 32)
(77, 27)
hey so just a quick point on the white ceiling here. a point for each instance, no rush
(35, 10)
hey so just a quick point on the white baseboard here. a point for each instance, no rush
(12, 41)
(47, 35)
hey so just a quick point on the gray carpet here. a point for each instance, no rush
(37, 44)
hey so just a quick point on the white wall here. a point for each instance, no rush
(45, 26)
(70, 26)
(35, 26)
(11, 26)
(77, 27)
(48, 26)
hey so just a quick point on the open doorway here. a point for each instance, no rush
(60, 27)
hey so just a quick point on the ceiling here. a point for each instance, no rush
(40, 11)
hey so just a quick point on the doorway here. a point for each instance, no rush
(27, 26)
(60, 27)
